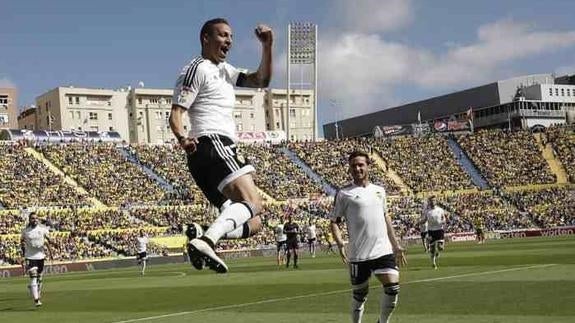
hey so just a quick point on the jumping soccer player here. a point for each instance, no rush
(205, 91)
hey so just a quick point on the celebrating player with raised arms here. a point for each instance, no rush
(205, 92)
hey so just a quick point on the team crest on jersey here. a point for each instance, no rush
(379, 195)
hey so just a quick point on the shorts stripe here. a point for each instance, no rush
(226, 156)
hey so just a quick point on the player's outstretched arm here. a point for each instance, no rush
(262, 77)
(189, 144)
(397, 249)
(339, 241)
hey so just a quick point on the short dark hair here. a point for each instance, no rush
(359, 153)
(208, 25)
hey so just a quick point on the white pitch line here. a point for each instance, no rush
(273, 300)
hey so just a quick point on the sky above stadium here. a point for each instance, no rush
(373, 54)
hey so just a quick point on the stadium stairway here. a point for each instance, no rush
(467, 164)
(327, 187)
(39, 156)
(133, 159)
(390, 173)
(555, 165)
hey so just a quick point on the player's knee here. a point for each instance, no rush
(255, 225)
(359, 294)
(33, 272)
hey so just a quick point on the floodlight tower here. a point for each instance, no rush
(302, 50)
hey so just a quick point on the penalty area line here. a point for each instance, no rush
(282, 299)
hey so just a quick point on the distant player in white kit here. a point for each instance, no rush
(435, 218)
(281, 243)
(142, 257)
(311, 235)
(34, 239)
(373, 247)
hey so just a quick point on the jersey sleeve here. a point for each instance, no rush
(234, 72)
(188, 85)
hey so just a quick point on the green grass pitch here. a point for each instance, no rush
(527, 280)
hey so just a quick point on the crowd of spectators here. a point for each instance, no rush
(170, 163)
(9, 249)
(277, 175)
(329, 160)
(553, 207)
(25, 182)
(423, 163)
(11, 222)
(82, 220)
(65, 246)
(123, 241)
(175, 217)
(562, 140)
(507, 158)
(494, 211)
(465, 210)
(105, 173)
(69, 246)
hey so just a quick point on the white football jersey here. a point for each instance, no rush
(142, 243)
(279, 231)
(34, 239)
(435, 218)
(364, 209)
(310, 232)
(206, 90)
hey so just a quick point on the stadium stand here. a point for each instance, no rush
(424, 163)
(329, 159)
(553, 207)
(507, 158)
(511, 162)
(277, 175)
(27, 182)
(105, 173)
(170, 163)
(562, 140)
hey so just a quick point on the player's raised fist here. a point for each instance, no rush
(264, 34)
